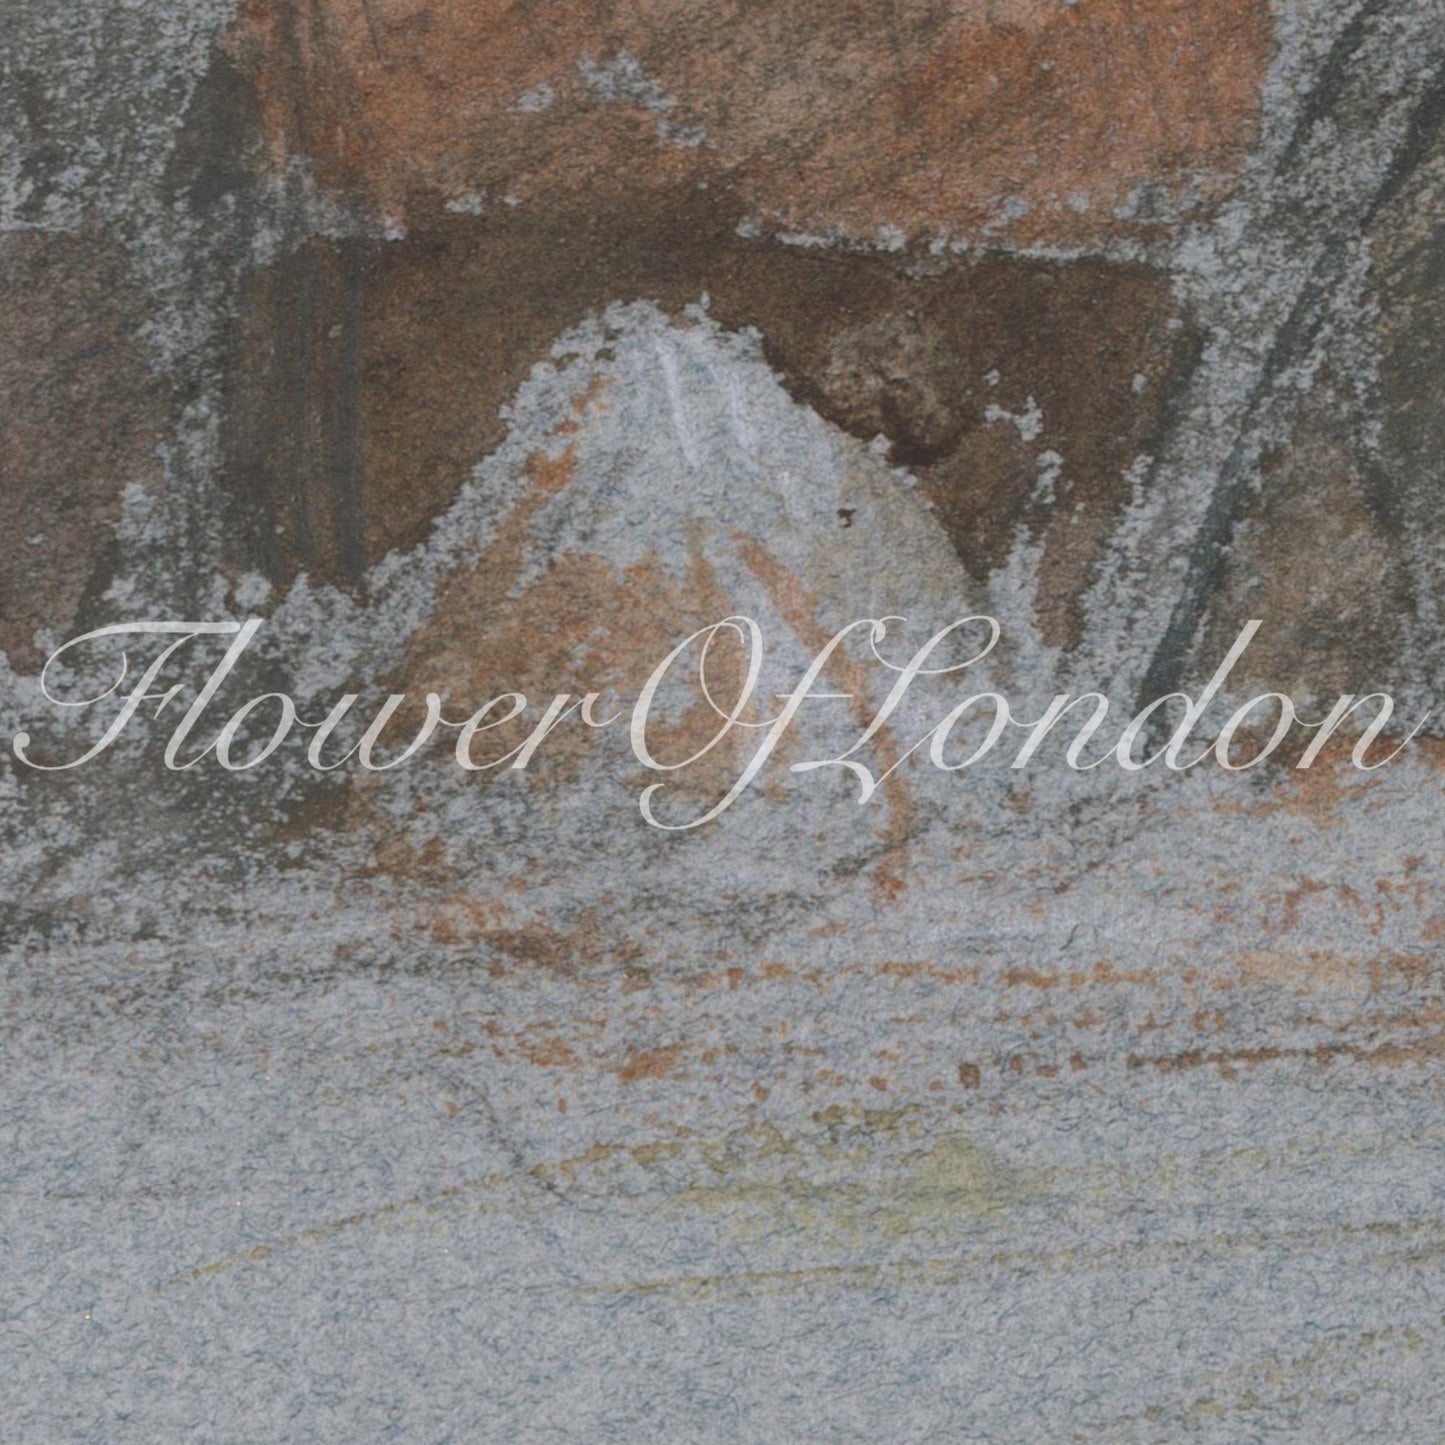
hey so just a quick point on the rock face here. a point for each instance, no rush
(82, 421)
(489, 350)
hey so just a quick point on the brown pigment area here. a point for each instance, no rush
(581, 627)
(371, 375)
(294, 457)
(80, 418)
(1341, 545)
(1032, 119)
(1317, 558)
(1085, 354)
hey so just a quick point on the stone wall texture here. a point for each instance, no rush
(482, 347)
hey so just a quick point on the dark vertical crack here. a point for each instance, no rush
(347, 476)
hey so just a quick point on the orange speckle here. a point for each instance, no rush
(650, 1063)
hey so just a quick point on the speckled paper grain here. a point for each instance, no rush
(783, 1035)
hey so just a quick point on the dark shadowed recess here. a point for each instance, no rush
(364, 379)
(369, 375)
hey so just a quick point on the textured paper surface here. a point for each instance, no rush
(480, 348)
